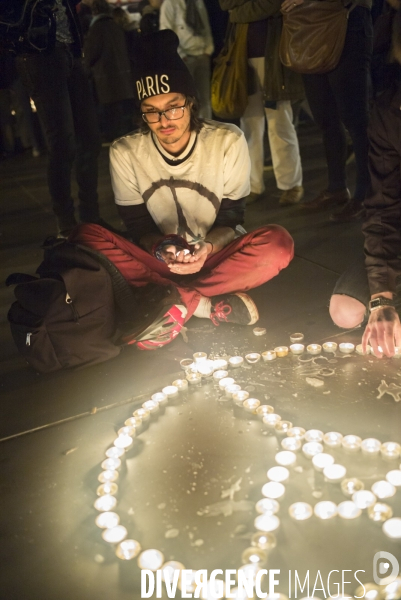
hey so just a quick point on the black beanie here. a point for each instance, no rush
(158, 68)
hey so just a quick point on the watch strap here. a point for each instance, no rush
(379, 302)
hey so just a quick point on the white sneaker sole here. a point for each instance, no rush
(251, 306)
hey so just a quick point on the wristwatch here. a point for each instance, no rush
(379, 302)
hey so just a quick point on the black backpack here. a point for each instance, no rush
(68, 315)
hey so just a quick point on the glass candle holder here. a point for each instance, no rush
(273, 490)
(264, 409)
(364, 498)
(278, 474)
(394, 477)
(267, 506)
(392, 528)
(252, 358)
(269, 355)
(267, 522)
(370, 446)
(235, 362)
(351, 485)
(253, 555)
(223, 383)
(325, 510)
(115, 535)
(380, 512)
(314, 349)
(348, 510)
(390, 450)
(383, 489)
(111, 464)
(220, 374)
(128, 549)
(334, 473)
(359, 350)
(297, 348)
(126, 430)
(199, 357)
(265, 541)
(134, 421)
(333, 439)
(296, 432)
(114, 452)
(220, 364)
(282, 427)
(330, 346)
(351, 443)
(296, 338)
(171, 391)
(105, 503)
(281, 351)
(107, 520)
(143, 413)
(285, 458)
(311, 448)
(180, 384)
(151, 559)
(106, 476)
(152, 406)
(314, 435)
(239, 397)
(291, 443)
(194, 378)
(123, 441)
(322, 460)
(205, 367)
(271, 420)
(107, 488)
(161, 397)
(231, 389)
(346, 347)
(300, 511)
(251, 405)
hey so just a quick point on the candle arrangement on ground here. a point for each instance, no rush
(320, 450)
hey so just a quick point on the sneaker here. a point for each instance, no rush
(326, 199)
(352, 211)
(161, 327)
(234, 308)
(292, 196)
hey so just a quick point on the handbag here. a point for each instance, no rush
(229, 85)
(313, 36)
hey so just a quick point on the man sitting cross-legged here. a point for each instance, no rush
(180, 185)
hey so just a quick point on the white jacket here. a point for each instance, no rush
(172, 16)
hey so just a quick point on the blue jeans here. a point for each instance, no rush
(60, 89)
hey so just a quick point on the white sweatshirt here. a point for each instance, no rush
(172, 16)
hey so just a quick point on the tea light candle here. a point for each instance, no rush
(162, 397)
(180, 384)
(107, 520)
(334, 473)
(253, 555)
(322, 460)
(267, 522)
(252, 358)
(390, 450)
(128, 549)
(111, 464)
(300, 511)
(314, 435)
(352, 443)
(285, 458)
(346, 347)
(359, 350)
(134, 421)
(105, 476)
(123, 441)
(282, 427)
(370, 446)
(348, 510)
(107, 488)
(325, 510)
(392, 528)
(279, 474)
(271, 420)
(380, 512)
(383, 489)
(281, 351)
(314, 349)
(115, 535)
(152, 406)
(265, 541)
(223, 383)
(264, 409)
(272, 489)
(333, 439)
(206, 368)
(114, 452)
(235, 361)
(394, 477)
(171, 391)
(296, 432)
(126, 430)
(251, 404)
(350, 486)
(364, 498)
(199, 357)
(220, 364)
(105, 503)
(185, 363)
(267, 506)
(330, 346)
(312, 448)
(259, 331)
(239, 397)
(269, 355)
(143, 413)
(231, 389)
(220, 374)
(291, 443)
(296, 337)
(297, 348)
(194, 378)
(169, 568)
(151, 559)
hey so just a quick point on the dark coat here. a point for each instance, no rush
(280, 83)
(105, 54)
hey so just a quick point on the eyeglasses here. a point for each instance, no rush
(171, 114)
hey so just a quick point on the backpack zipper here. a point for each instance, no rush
(28, 339)
(74, 310)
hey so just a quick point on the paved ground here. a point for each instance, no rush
(51, 548)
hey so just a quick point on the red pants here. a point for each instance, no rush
(245, 263)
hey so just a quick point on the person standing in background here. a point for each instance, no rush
(190, 21)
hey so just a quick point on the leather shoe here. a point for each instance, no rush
(352, 211)
(327, 199)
